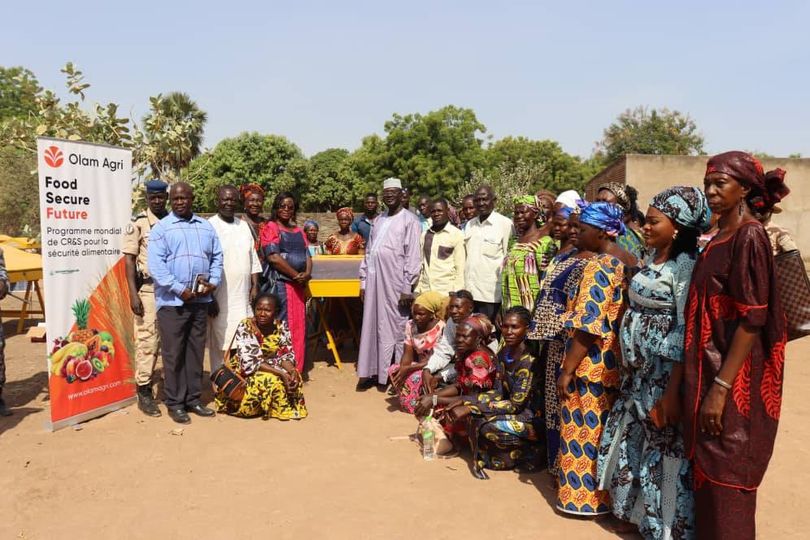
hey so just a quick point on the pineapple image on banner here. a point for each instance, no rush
(85, 205)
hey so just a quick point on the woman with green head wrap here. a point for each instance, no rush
(528, 257)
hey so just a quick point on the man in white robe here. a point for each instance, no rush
(240, 276)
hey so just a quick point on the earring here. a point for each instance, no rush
(675, 236)
(740, 208)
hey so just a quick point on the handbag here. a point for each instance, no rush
(227, 381)
(794, 291)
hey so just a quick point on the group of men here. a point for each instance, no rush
(408, 254)
(191, 280)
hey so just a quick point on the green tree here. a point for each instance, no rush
(19, 196)
(556, 170)
(271, 161)
(433, 154)
(367, 167)
(650, 131)
(508, 180)
(18, 92)
(329, 182)
(171, 137)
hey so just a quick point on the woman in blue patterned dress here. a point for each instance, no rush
(641, 459)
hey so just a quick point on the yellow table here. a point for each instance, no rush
(24, 266)
(335, 278)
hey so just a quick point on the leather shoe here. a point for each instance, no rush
(180, 416)
(200, 410)
(365, 384)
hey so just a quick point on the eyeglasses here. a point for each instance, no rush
(286, 207)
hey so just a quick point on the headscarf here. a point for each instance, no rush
(345, 211)
(602, 215)
(568, 198)
(246, 190)
(311, 223)
(565, 212)
(528, 200)
(622, 198)
(686, 206)
(434, 302)
(767, 188)
(481, 325)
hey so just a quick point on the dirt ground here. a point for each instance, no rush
(347, 471)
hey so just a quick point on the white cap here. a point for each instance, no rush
(392, 183)
(569, 198)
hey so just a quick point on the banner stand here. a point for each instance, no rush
(89, 415)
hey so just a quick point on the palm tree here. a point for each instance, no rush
(174, 130)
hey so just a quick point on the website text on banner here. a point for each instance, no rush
(85, 198)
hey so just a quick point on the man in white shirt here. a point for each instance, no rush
(443, 255)
(486, 238)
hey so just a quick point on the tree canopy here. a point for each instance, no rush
(650, 131)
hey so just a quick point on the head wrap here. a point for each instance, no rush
(434, 302)
(480, 324)
(622, 198)
(528, 200)
(565, 212)
(311, 223)
(247, 189)
(686, 206)
(345, 211)
(606, 216)
(767, 188)
(392, 183)
(568, 198)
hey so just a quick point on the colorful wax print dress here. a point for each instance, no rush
(561, 282)
(642, 466)
(596, 309)
(265, 394)
(422, 344)
(335, 246)
(733, 283)
(523, 269)
(507, 417)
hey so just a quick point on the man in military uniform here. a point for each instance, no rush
(142, 292)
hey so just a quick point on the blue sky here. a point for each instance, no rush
(325, 74)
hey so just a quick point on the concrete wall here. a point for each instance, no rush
(652, 174)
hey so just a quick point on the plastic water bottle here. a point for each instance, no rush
(428, 439)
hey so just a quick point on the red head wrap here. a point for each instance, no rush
(767, 188)
(246, 190)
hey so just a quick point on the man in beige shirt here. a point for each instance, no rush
(442, 248)
(486, 238)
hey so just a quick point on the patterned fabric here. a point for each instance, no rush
(781, 241)
(632, 243)
(562, 281)
(523, 269)
(316, 249)
(265, 394)
(605, 216)
(334, 245)
(505, 417)
(643, 467)
(734, 283)
(422, 344)
(345, 211)
(475, 373)
(620, 192)
(724, 513)
(686, 206)
(596, 308)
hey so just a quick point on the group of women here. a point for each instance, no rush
(642, 367)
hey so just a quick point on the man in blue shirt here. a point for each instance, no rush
(185, 262)
(362, 224)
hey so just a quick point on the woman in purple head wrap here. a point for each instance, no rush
(734, 349)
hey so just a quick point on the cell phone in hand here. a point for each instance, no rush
(199, 283)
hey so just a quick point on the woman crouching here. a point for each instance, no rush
(264, 357)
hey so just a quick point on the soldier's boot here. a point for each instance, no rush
(147, 403)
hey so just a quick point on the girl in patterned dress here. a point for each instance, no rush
(345, 242)
(262, 353)
(642, 462)
(589, 376)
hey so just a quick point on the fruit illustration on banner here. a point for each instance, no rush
(85, 352)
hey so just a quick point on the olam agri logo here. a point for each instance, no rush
(54, 157)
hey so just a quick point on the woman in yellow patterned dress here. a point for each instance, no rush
(262, 353)
(589, 379)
